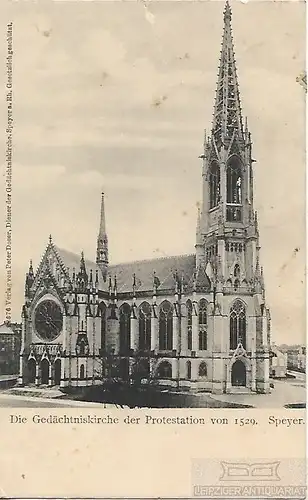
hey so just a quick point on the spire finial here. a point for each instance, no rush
(50, 239)
(227, 12)
(227, 118)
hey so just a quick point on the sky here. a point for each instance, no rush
(115, 96)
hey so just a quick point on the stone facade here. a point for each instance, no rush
(196, 321)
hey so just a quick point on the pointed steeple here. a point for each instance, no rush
(102, 242)
(82, 276)
(29, 278)
(227, 119)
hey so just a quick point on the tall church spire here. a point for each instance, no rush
(102, 242)
(227, 120)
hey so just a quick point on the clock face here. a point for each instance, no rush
(48, 320)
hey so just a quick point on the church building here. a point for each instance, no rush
(197, 321)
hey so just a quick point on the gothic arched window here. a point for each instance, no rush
(31, 371)
(103, 310)
(189, 324)
(237, 325)
(188, 369)
(164, 370)
(145, 326)
(234, 189)
(237, 271)
(214, 182)
(82, 345)
(202, 369)
(202, 325)
(165, 325)
(234, 181)
(125, 312)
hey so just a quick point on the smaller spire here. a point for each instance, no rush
(134, 284)
(176, 282)
(29, 278)
(96, 279)
(82, 276)
(182, 284)
(102, 242)
(256, 224)
(30, 272)
(115, 287)
(156, 282)
(194, 281)
(134, 294)
(74, 277)
(262, 277)
(110, 287)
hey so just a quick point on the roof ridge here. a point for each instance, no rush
(166, 257)
(74, 253)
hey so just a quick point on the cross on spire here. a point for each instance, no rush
(227, 119)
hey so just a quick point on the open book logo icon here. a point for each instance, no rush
(241, 471)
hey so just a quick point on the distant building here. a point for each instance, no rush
(302, 359)
(278, 363)
(10, 339)
(297, 358)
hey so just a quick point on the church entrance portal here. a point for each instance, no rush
(44, 372)
(57, 372)
(238, 374)
(31, 370)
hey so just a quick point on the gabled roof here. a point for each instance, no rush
(202, 280)
(164, 268)
(6, 330)
(71, 261)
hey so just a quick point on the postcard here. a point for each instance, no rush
(153, 326)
